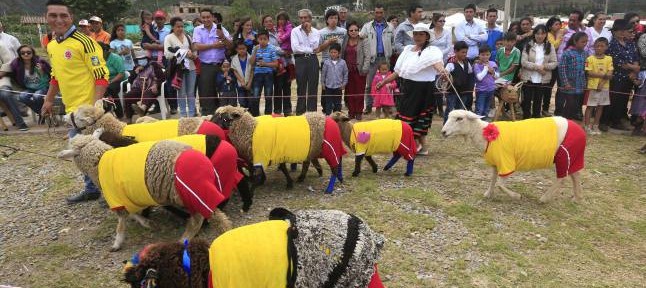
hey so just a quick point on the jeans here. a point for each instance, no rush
(244, 99)
(332, 101)
(33, 99)
(89, 185)
(263, 81)
(8, 98)
(453, 103)
(483, 98)
(186, 95)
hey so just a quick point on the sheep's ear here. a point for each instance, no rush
(98, 132)
(99, 104)
(473, 116)
(67, 154)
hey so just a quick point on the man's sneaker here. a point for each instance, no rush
(83, 196)
(595, 130)
(589, 131)
(23, 127)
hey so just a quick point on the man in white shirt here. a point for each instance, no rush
(305, 45)
(8, 41)
(471, 32)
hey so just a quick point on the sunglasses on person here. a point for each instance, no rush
(25, 53)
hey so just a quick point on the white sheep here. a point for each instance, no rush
(148, 174)
(524, 145)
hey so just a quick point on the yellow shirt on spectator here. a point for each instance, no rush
(598, 65)
(77, 64)
(280, 140)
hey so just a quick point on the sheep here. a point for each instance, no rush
(379, 136)
(88, 118)
(149, 174)
(307, 138)
(332, 249)
(552, 140)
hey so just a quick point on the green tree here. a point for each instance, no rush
(109, 10)
(242, 8)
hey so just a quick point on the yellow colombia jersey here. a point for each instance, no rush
(385, 136)
(523, 145)
(77, 62)
(122, 174)
(280, 140)
(154, 131)
(251, 256)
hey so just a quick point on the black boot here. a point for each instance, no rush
(83, 196)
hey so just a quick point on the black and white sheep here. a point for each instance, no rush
(382, 136)
(325, 248)
(147, 174)
(524, 145)
(324, 140)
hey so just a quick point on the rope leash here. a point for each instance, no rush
(14, 150)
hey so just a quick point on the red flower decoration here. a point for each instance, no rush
(490, 133)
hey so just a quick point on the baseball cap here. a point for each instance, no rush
(159, 14)
(84, 22)
(96, 19)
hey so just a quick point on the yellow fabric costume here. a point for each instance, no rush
(196, 141)
(523, 145)
(385, 136)
(251, 256)
(280, 140)
(122, 174)
(154, 131)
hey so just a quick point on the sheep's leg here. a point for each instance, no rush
(372, 163)
(576, 187)
(258, 175)
(306, 167)
(141, 220)
(392, 161)
(339, 173)
(553, 190)
(511, 194)
(317, 166)
(193, 225)
(246, 193)
(492, 184)
(222, 222)
(409, 167)
(121, 230)
(283, 168)
(330, 186)
(357, 165)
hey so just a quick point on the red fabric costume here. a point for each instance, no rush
(569, 156)
(195, 182)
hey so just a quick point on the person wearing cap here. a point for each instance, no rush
(471, 32)
(212, 42)
(78, 73)
(84, 27)
(9, 41)
(625, 61)
(98, 34)
(381, 38)
(418, 65)
(146, 81)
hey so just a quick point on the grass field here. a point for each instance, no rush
(441, 231)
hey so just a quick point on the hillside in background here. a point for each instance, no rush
(545, 7)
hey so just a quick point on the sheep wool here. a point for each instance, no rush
(280, 140)
(523, 145)
(385, 135)
(238, 259)
(126, 188)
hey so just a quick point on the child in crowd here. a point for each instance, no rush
(463, 80)
(334, 77)
(265, 60)
(148, 34)
(384, 101)
(572, 74)
(508, 57)
(486, 72)
(599, 70)
(284, 28)
(225, 80)
(243, 73)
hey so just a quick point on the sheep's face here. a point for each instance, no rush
(459, 123)
(339, 117)
(78, 142)
(84, 116)
(224, 116)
